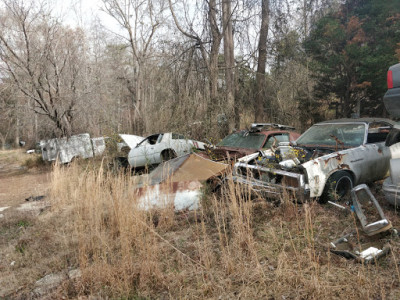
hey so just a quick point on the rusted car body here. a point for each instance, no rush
(261, 136)
(177, 183)
(325, 162)
(65, 149)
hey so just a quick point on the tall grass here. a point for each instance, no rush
(232, 247)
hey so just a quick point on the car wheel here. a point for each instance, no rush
(168, 154)
(337, 187)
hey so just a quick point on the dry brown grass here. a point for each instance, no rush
(230, 248)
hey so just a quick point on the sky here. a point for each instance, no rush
(82, 12)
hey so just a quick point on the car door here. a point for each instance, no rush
(154, 153)
(180, 144)
(143, 153)
(374, 155)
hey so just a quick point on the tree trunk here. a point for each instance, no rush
(213, 65)
(229, 65)
(262, 61)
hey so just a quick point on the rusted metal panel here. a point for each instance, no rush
(181, 195)
(189, 167)
(178, 183)
(65, 149)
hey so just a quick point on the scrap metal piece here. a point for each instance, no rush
(189, 167)
(65, 149)
(365, 203)
(177, 183)
(180, 195)
(363, 249)
(99, 145)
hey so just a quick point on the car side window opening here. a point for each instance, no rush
(153, 139)
(274, 140)
(176, 136)
(378, 132)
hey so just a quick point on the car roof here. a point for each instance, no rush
(358, 120)
(268, 132)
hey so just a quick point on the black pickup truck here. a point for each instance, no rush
(392, 96)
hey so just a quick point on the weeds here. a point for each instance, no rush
(231, 248)
(34, 161)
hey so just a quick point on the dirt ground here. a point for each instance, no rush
(18, 182)
(21, 184)
(38, 258)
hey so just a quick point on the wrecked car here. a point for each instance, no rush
(160, 147)
(391, 99)
(66, 149)
(119, 149)
(325, 162)
(260, 136)
(391, 185)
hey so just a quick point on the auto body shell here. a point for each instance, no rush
(220, 153)
(366, 163)
(149, 154)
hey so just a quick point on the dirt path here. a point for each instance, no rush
(16, 188)
(18, 183)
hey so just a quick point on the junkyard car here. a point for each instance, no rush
(324, 162)
(391, 186)
(160, 147)
(392, 96)
(261, 136)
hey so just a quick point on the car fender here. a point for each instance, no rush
(353, 160)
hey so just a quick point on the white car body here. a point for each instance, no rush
(158, 147)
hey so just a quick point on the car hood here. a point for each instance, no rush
(220, 153)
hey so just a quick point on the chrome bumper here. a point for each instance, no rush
(289, 183)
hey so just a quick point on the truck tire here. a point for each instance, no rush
(337, 187)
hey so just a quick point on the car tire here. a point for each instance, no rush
(337, 187)
(168, 154)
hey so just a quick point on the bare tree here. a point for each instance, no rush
(140, 21)
(232, 110)
(44, 59)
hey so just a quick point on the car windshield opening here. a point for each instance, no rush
(243, 140)
(333, 135)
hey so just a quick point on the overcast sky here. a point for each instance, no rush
(83, 12)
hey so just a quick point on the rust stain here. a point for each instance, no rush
(171, 187)
(339, 157)
(343, 166)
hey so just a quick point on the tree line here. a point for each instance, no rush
(202, 68)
